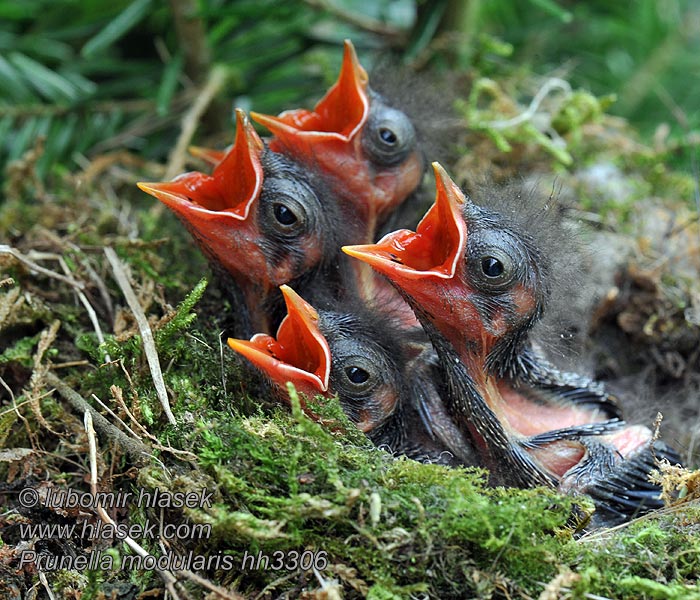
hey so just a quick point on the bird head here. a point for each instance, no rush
(257, 215)
(299, 353)
(218, 208)
(465, 269)
(365, 148)
(330, 353)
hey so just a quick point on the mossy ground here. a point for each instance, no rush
(389, 528)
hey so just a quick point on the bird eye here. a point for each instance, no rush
(284, 214)
(496, 270)
(491, 267)
(494, 267)
(389, 136)
(288, 206)
(362, 373)
(356, 374)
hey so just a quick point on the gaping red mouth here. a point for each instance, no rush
(232, 188)
(433, 249)
(299, 354)
(339, 115)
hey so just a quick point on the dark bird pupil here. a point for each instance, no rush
(357, 375)
(284, 215)
(388, 136)
(491, 266)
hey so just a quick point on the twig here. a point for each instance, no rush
(20, 416)
(5, 249)
(72, 363)
(119, 399)
(205, 583)
(92, 315)
(166, 575)
(135, 449)
(551, 84)
(99, 282)
(149, 346)
(116, 417)
(117, 394)
(168, 578)
(45, 583)
(36, 381)
(176, 160)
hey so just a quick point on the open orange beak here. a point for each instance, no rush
(433, 250)
(228, 193)
(329, 141)
(428, 266)
(218, 209)
(338, 116)
(299, 354)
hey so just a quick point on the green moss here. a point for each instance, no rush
(284, 482)
(22, 351)
(577, 109)
(168, 338)
(555, 128)
(655, 557)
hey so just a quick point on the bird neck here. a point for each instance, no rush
(477, 420)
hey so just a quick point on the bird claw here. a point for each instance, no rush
(624, 490)
(572, 433)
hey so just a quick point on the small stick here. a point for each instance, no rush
(116, 417)
(5, 249)
(149, 345)
(166, 575)
(45, 583)
(135, 449)
(78, 286)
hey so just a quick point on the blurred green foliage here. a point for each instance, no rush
(645, 52)
(93, 77)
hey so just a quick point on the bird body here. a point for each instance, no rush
(362, 158)
(276, 212)
(382, 378)
(478, 285)
(263, 221)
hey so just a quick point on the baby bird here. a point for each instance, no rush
(384, 380)
(478, 283)
(262, 221)
(365, 149)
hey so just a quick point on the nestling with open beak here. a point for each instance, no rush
(478, 282)
(366, 150)
(262, 221)
(384, 381)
